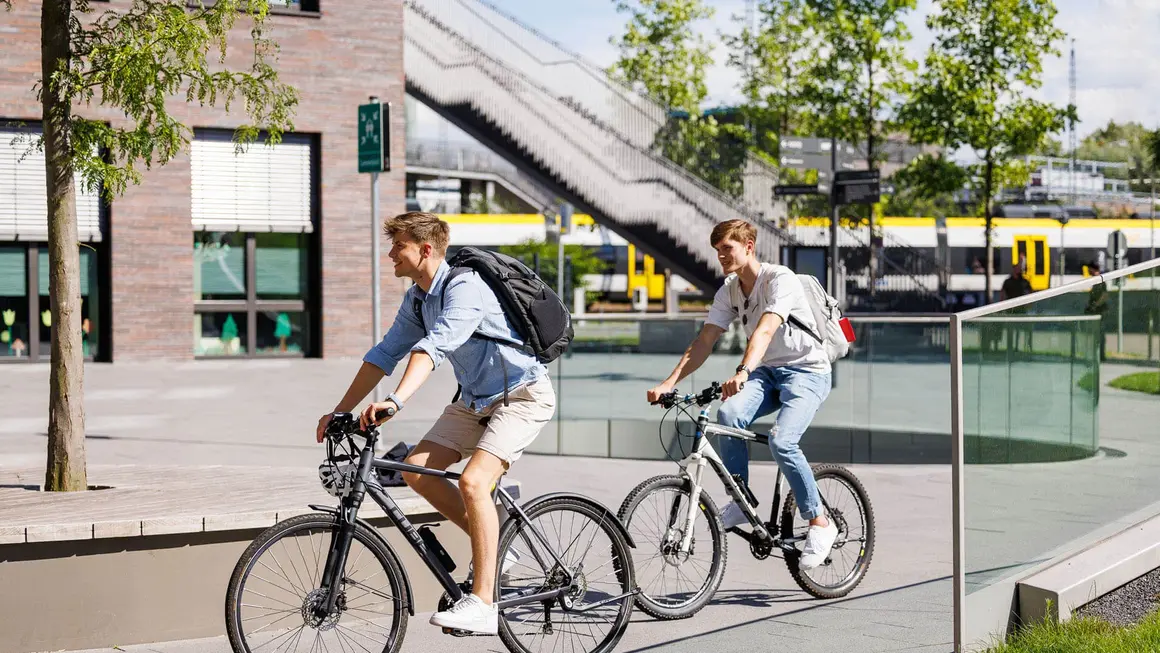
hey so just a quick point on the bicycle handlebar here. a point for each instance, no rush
(706, 397)
(343, 425)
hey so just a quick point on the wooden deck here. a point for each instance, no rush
(158, 500)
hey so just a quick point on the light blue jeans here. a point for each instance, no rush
(799, 394)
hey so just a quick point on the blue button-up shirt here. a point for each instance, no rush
(468, 306)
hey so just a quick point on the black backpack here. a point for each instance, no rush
(533, 309)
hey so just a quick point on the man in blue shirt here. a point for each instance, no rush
(482, 424)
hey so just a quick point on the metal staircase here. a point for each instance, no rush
(568, 126)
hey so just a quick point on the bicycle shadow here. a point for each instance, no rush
(757, 598)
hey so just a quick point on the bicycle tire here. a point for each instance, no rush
(621, 559)
(865, 555)
(705, 593)
(305, 523)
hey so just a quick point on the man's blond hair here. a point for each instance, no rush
(421, 227)
(736, 230)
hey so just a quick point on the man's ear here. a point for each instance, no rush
(426, 250)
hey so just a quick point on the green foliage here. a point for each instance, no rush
(1147, 382)
(584, 261)
(854, 88)
(975, 87)
(662, 54)
(974, 90)
(773, 60)
(713, 151)
(1085, 635)
(135, 60)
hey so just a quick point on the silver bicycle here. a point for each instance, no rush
(681, 558)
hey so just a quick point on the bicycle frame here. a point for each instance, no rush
(704, 454)
(348, 514)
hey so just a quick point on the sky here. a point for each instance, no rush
(1117, 51)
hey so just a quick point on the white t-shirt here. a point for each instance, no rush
(778, 291)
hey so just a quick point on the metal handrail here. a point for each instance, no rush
(1074, 286)
(682, 176)
(865, 318)
(689, 176)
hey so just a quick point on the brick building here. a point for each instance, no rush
(263, 254)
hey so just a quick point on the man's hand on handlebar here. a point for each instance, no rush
(734, 385)
(376, 414)
(655, 394)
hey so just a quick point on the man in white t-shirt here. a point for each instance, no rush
(784, 369)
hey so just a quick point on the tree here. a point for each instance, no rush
(583, 261)
(974, 88)
(132, 62)
(926, 186)
(663, 56)
(855, 85)
(773, 57)
(863, 68)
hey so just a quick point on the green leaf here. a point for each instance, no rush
(136, 60)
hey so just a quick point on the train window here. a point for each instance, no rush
(1040, 257)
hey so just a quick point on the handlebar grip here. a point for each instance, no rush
(386, 412)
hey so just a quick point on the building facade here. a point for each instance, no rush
(266, 253)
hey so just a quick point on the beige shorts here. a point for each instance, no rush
(510, 429)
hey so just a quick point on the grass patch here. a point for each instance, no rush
(1086, 635)
(1148, 382)
(1087, 381)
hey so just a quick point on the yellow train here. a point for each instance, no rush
(921, 246)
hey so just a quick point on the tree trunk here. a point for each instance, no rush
(66, 419)
(988, 176)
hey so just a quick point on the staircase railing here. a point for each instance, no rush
(451, 157)
(623, 179)
(900, 276)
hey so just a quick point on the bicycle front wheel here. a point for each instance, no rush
(589, 618)
(674, 584)
(274, 590)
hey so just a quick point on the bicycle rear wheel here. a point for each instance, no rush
(849, 507)
(274, 588)
(674, 585)
(588, 619)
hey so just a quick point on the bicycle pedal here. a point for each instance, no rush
(454, 632)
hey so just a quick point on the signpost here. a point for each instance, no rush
(1117, 251)
(856, 187)
(836, 163)
(798, 189)
(374, 157)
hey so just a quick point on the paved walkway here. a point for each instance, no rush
(263, 413)
(904, 604)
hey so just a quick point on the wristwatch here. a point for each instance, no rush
(398, 402)
(742, 368)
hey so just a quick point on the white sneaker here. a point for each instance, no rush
(509, 560)
(733, 516)
(819, 541)
(469, 614)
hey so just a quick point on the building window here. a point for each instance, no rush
(25, 305)
(255, 255)
(252, 294)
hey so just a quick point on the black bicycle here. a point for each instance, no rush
(677, 579)
(329, 581)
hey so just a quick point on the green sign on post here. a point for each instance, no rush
(373, 140)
